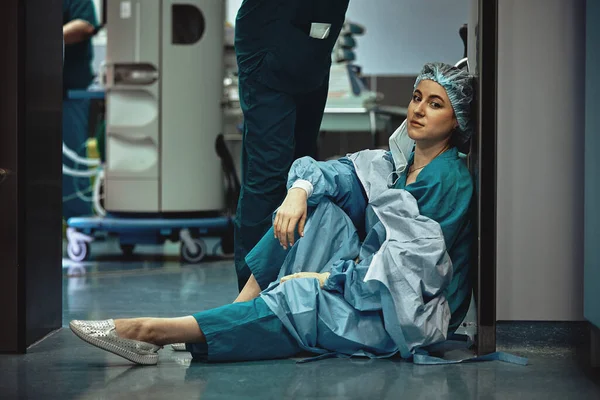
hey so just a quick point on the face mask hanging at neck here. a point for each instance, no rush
(401, 145)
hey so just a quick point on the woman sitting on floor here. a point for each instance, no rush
(368, 255)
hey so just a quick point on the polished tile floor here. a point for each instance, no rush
(155, 284)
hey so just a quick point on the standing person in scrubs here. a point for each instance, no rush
(80, 23)
(283, 51)
(381, 266)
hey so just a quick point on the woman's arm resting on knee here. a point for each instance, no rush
(291, 213)
(336, 180)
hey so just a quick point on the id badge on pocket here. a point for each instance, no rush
(319, 30)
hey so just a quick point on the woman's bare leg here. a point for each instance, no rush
(161, 331)
(250, 291)
(164, 331)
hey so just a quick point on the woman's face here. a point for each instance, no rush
(430, 115)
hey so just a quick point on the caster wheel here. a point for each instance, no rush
(127, 249)
(193, 256)
(227, 244)
(78, 251)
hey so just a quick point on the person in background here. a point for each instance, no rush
(80, 24)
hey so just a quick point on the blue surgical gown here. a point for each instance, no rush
(443, 190)
(347, 315)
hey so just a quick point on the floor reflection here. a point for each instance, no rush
(151, 284)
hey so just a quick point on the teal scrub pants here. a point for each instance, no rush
(75, 134)
(278, 128)
(248, 331)
(242, 332)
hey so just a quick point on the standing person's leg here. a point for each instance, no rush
(267, 154)
(309, 115)
(75, 133)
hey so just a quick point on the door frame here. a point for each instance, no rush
(485, 51)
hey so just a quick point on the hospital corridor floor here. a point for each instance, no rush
(154, 283)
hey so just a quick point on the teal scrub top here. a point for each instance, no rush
(77, 68)
(443, 190)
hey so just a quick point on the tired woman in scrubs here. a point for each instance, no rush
(355, 263)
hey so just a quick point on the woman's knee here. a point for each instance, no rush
(327, 215)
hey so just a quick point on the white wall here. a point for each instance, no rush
(541, 69)
(402, 35)
(100, 38)
(231, 10)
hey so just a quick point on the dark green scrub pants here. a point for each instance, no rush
(283, 84)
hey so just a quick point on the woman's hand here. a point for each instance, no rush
(291, 213)
(322, 278)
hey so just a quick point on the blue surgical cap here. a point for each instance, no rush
(458, 84)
